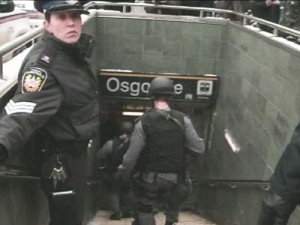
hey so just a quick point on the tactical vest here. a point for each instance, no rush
(119, 148)
(164, 149)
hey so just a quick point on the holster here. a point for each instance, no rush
(184, 189)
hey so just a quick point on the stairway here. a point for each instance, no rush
(185, 218)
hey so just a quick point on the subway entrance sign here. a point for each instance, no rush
(129, 85)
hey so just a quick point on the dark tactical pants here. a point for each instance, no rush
(151, 190)
(275, 210)
(120, 192)
(69, 209)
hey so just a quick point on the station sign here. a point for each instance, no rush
(128, 85)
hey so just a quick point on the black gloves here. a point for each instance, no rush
(3, 153)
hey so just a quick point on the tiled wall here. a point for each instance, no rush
(259, 104)
(257, 99)
(143, 45)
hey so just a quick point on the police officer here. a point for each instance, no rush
(281, 199)
(161, 140)
(56, 98)
(120, 192)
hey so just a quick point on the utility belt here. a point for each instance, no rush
(182, 184)
(56, 167)
(71, 147)
(151, 177)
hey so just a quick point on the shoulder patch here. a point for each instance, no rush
(45, 58)
(33, 79)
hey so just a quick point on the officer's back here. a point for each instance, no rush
(161, 140)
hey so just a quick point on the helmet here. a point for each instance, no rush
(49, 6)
(161, 86)
(126, 127)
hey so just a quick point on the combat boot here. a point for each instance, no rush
(135, 222)
(126, 214)
(115, 216)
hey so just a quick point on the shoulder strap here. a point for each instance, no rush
(115, 144)
(47, 56)
(168, 116)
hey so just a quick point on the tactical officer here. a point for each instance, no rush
(120, 192)
(161, 140)
(56, 98)
(284, 195)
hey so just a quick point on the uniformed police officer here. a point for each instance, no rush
(57, 98)
(120, 192)
(161, 140)
(280, 201)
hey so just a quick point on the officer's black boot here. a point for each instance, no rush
(169, 223)
(115, 216)
(135, 222)
(126, 214)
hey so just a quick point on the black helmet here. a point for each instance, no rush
(126, 127)
(49, 6)
(161, 86)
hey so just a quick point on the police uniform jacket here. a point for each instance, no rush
(285, 180)
(138, 143)
(57, 91)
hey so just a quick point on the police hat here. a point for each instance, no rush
(49, 6)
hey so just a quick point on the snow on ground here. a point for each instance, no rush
(10, 72)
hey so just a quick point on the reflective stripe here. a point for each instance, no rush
(19, 107)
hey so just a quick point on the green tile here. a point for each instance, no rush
(152, 63)
(114, 26)
(134, 27)
(153, 28)
(170, 49)
(171, 65)
(190, 47)
(133, 62)
(192, 30)
(172, 32)
(153, 45)
(132, 44)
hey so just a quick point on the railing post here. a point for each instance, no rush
(201, 13)
(244, 21)
(1, 68)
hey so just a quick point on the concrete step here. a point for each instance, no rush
(185, 218)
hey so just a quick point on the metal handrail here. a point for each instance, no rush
(233, 183)
(32, 35)
(17, 43)
(214, 11)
